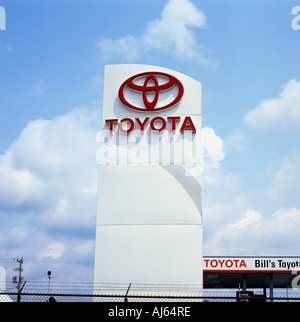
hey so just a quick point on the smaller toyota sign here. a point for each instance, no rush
(251, 264)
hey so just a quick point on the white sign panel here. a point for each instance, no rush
(149, 221)
(150, 117)
(251, 264)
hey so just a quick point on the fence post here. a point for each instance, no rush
(125, 299)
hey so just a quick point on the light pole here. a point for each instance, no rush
(49, 276)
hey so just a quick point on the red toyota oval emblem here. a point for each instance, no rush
(151, 83)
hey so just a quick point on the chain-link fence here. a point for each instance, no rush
(56, 297)
(44, 291)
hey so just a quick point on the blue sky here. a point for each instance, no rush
(52, 57)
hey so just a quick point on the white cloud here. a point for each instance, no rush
(276, 114)
(5, 48)
(171, 34)
(128, 47)
(223, 198)
(39, 88)
(255, 234)
(17, 186)
(236, 141)
(284, 174)
(251, 217)
(231, 226)
(48, 190)
(49, 149)
(284, 227)
(53, 250)
(287, 174)
(213, 148)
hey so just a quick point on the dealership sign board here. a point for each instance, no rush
(150, 117)
(251, 264)
(149, 221)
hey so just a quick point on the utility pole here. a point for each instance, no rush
(20, 278)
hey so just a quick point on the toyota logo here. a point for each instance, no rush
(153, 84)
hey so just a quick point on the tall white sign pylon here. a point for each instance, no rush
(149, 218)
